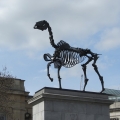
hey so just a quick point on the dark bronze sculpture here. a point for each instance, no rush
(67, 56)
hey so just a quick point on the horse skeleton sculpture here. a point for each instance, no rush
(67, 56)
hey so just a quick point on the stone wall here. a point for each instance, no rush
(56, 104)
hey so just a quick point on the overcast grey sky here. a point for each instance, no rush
(93, 24)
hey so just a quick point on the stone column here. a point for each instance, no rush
(56, 104)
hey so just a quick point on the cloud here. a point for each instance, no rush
(69, 20)
(110, 39)
(91, 24)
(44, 70)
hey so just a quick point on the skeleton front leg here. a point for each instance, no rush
(96, 70)
(84, 70)
(48, 65)
(59, 78)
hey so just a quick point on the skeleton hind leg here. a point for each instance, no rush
(84, 71)
(96, 70)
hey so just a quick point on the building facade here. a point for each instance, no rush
(115, 107)
(18, 108)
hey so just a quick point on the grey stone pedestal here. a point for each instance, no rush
(56, 104)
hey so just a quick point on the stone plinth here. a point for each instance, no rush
(56, 104)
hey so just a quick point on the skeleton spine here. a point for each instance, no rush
(51, 36)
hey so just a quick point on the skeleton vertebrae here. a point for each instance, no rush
(68, 56)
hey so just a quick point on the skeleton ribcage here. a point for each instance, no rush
(69, 57)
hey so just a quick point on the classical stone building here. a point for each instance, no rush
(18, 108)
(115, 107)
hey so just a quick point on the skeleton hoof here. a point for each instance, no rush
(102, 90)
(51, 79)
(60, 88)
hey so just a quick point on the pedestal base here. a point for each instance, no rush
(56, 104)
